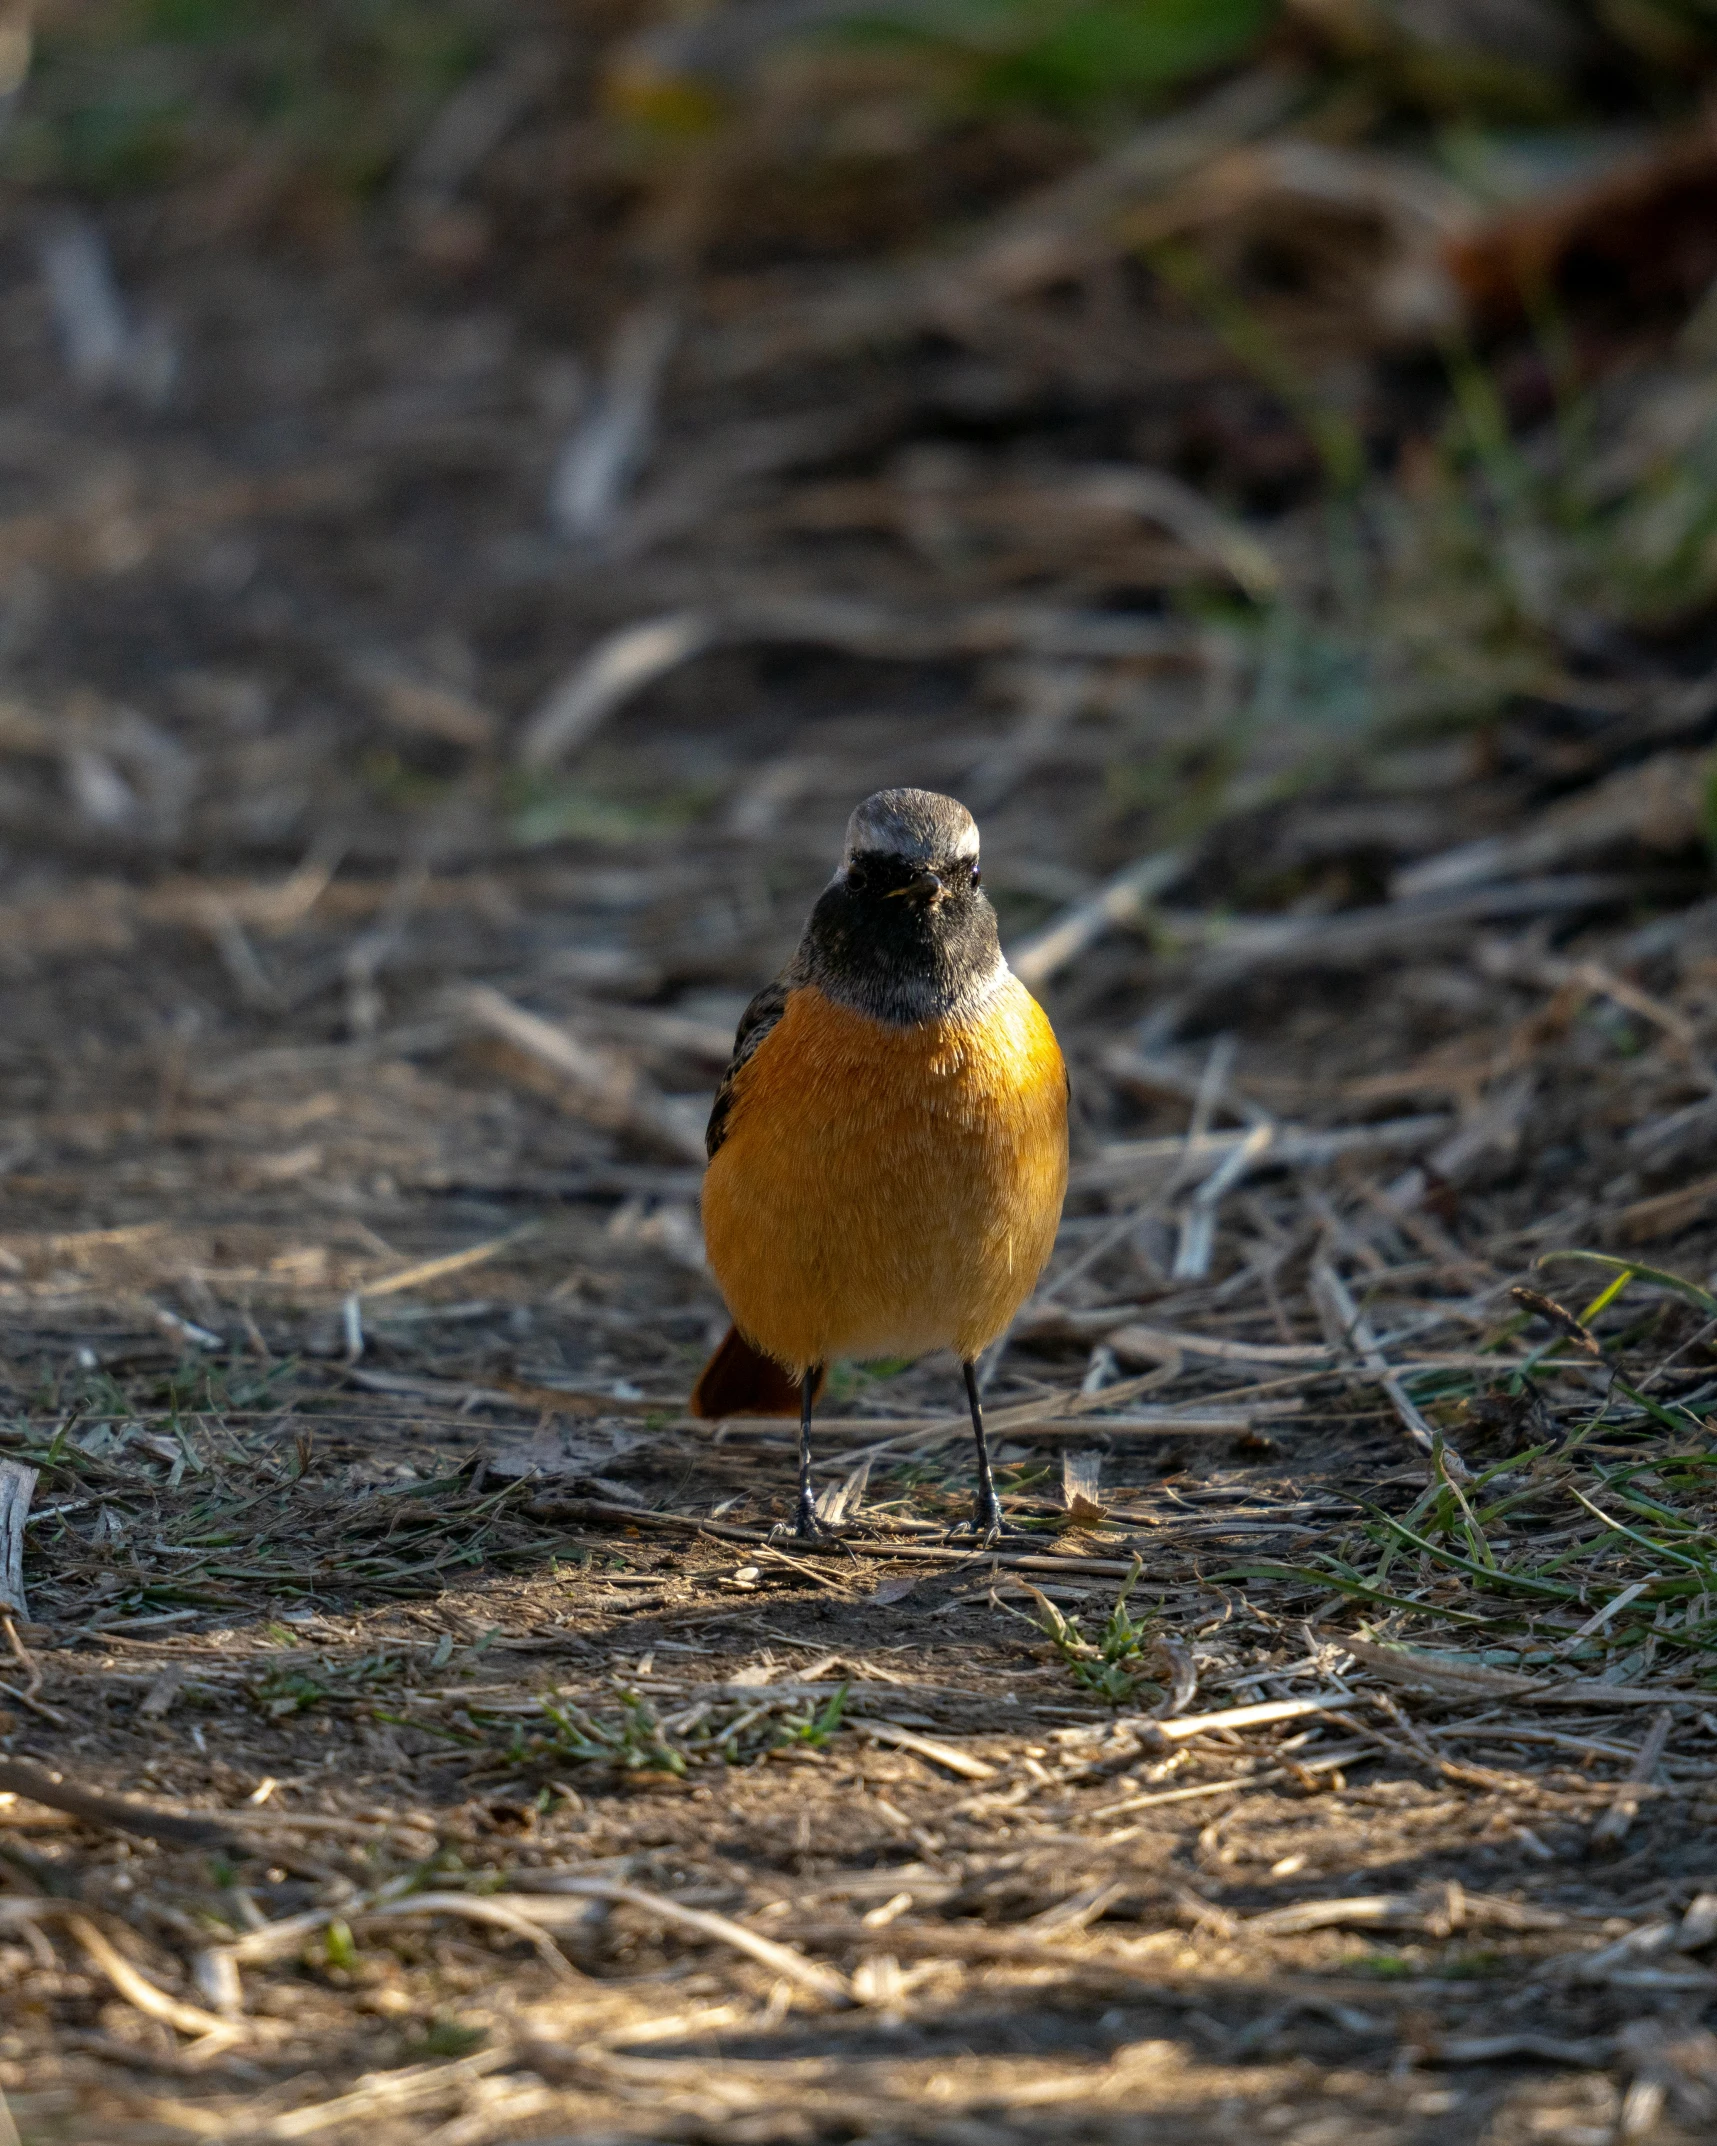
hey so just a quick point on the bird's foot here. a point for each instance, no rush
(808, 1531)
(988, 1529)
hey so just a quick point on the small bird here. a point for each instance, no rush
(888, 1147)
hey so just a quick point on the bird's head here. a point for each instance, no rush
(903, 930)
(912, 847)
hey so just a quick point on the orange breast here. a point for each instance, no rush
(885, 1191)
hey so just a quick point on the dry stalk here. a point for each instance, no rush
(130, 1982)
(25, 1778)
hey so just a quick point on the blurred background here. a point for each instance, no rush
(483, 490)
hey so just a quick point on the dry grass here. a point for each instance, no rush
(367, 1520)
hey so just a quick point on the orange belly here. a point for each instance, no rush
(886, 1191)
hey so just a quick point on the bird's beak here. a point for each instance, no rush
(925, 886)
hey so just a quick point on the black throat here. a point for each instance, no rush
(875, 944)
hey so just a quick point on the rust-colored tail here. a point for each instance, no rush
(739, 1380)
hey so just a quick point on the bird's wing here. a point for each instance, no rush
(755, 1024)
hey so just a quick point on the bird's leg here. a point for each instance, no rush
(808, 1527)
(986, 1506)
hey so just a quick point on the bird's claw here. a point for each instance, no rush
(809, 1532)
(985, 1530)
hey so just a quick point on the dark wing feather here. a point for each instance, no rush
(755, 1024)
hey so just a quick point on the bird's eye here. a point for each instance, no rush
(857, 876)
(977, 877)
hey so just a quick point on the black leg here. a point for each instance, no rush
(808, 1527)
(986, 1506)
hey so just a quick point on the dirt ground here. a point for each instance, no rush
(390, 833)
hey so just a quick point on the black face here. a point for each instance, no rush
(903, 939)
(880, 876)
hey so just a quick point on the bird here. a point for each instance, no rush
(888, 1145)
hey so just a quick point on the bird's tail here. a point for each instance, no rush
(739, 1380)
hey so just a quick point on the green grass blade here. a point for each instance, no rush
(1630, 1270)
